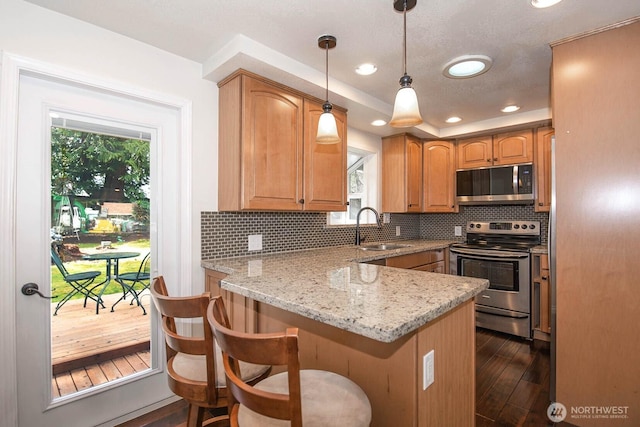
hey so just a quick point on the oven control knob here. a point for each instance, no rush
(471, 225)
(516, 226)
(524, 226)
(532, 226)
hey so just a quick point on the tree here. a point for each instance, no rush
(106, 168)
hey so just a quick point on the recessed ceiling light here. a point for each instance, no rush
(544, 3)
(453, 119)
(378, 122)
(467, 66)
(510, 109)
(366, 69)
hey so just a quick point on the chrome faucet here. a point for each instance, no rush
(358, 239)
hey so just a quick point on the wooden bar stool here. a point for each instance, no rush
(194, 363)
(296, 398)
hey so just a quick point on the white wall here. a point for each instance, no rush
(39, 34)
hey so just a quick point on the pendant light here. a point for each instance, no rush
(327, 128)
(405, 110)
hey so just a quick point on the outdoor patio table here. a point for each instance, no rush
(112, 259)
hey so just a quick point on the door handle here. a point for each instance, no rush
(31, 289)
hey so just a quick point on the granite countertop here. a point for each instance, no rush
(335, 285)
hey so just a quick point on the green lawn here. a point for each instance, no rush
(60, 288)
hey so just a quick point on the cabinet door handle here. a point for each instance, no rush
(539, 203)
(489, 160)
(495, 159)
(301, 201)
(544, 277)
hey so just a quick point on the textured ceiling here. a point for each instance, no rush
(278, 38)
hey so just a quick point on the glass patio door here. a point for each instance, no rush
(64, 377)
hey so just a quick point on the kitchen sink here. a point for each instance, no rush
(382, 247)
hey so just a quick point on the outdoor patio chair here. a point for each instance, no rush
(129, 280)
(80, 283)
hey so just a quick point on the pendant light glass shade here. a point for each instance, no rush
(406, 112)
(327, 126)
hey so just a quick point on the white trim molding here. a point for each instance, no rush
(11, 68)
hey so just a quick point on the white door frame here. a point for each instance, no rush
(11, 68)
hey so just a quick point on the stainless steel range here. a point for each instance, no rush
(499, 252)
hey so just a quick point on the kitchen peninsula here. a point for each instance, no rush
(369, 322)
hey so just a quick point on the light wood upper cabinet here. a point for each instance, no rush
(401, 174)
(439, 176)
(513, 147)
(475, 152)
(542, 158)
(268, 158)
(325, 165)
(502, 149)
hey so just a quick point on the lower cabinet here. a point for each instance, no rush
(541, 297)
(395, 390)
(241, 311)
(434, 261)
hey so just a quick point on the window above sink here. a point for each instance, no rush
(362, 188)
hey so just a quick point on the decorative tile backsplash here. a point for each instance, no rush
(441, 226)
(225, 234)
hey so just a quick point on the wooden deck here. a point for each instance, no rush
(90, 349)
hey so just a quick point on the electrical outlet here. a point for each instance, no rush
(386, 218)
(428, 375)
(255, 242)
(457, 230)
(397, 230)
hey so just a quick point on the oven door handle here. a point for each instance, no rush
(487, 254)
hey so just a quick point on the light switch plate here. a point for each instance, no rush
(428, 375)
(397, 230)
(457, 230)
(386, 218)
(255, 242)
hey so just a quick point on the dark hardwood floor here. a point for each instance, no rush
(512, 380)
(512, 385)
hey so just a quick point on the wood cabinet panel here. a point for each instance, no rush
(416, 259)
(439, 177)
(268, 158)
(434, 267)
(395, 392)
(325, 186)
(513, 147)
(241, 311)
(542, 160)
(435, 261)
(595, 115)
(541, 297)
(272, 147)
(501, 149)
(475, 152)
(451, 399)
(401, 174)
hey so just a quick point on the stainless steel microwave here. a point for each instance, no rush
(511, 184)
